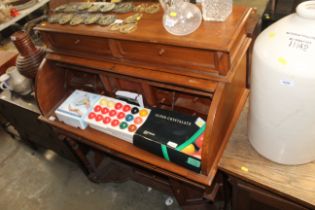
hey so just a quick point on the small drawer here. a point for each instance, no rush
(76, 44)
(168, 56)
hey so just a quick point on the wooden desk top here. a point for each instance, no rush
(210, 35)
(241, 160)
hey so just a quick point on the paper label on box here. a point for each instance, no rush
(286, 82)
(78, 103)
(172, 144)
(74, 109)
(199, 122)
(193, 162)
(118, 21)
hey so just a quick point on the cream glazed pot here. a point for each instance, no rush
(16, 82)
(282, 98)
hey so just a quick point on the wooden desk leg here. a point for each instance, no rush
(82, 160)
(191, 197)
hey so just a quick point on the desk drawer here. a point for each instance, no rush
(168, 56)
(77, 44)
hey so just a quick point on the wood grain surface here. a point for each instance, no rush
(7, 59)
(210, 35)
(211, 50)
(240, 159)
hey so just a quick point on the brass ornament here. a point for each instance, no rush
(123, 7)
(77, 19)
(115, 26)
(152, 9)
(91, 18)
(140, 7)
(128, 28)
(60, 8)
(95, 8)
(65, 18)
(71, 8)
(84, 6)
(106, 20)
(106, 7)
(133, 18)
(54, 18)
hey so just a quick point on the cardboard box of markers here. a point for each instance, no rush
(174, 136)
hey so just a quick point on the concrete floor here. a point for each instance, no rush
(41, 180)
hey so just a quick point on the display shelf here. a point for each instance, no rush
(23, 13)
(129, 152)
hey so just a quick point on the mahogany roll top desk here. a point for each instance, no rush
(202, 74)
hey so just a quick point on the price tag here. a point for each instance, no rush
(200, 122)
(118, 21)
(286, 82)
(172, 144)
(173, 14)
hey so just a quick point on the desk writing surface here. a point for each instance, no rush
(296, 182)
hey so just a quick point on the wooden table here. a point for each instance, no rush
(297, 183)
(7, 59)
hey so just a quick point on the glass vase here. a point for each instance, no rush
(216, 10)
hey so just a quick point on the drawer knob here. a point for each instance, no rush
(77, 41)
(161, 52)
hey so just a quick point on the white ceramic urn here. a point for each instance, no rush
(15, 82)
(282, 98)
